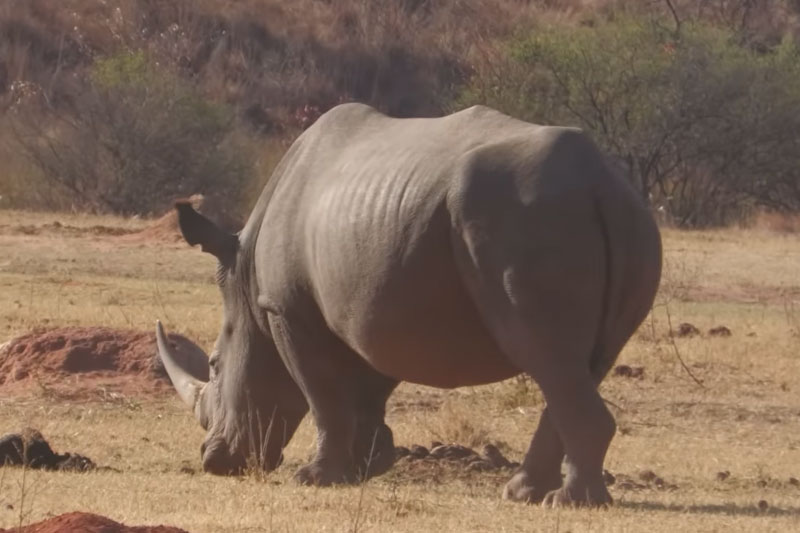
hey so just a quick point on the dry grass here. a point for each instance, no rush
(743, 420)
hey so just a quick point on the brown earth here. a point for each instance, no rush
(87, 361)
(78, 522)
(57, 228)
(164, 229)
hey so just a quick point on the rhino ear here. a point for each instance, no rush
(197, 229)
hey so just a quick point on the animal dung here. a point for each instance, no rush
(687, 330)
(29, 448)
(719, 331)
(490, 458)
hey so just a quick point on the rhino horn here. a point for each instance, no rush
(189, 388)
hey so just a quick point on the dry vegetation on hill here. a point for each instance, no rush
(89, 90)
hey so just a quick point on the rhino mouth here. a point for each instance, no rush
(222, 453)
(218, 460)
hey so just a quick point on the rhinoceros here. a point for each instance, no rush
(448, 252)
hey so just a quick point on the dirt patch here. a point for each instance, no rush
(57, 228)
(88, 523)
(164, 229)
(86, 361)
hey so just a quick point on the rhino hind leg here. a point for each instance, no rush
(347, 402)
(576, 417)
(542, 299)
(540, 472)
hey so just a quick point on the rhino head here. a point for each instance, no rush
(250, 406)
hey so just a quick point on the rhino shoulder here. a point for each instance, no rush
(345, 114)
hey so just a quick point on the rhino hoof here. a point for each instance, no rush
(317, 475)
(520, 488)
(564, 497)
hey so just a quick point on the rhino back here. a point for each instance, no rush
(358, 228)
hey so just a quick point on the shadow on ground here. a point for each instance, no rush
(731, 509)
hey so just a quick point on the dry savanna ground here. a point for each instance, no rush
(743, 420)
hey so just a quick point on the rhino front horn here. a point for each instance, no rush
(189, 388)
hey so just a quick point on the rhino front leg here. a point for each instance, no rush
(373, 449)
(347, 400)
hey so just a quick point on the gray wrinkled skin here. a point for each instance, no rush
(448, 252)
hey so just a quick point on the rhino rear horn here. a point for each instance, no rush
(197, 229)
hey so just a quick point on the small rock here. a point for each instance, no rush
(10, 507)
(629, 484)
(647, 476)
(480, 465)
(436, 444)
(401, 451)
(722, 476)
(187, 468)
(659, 483)
(437, 452)
(625, 371)
(451, 451)
(763, 505)
(419, 452)
(494, 456)
(687, 330)
(609, 478)
(793, 481)
(719, 331)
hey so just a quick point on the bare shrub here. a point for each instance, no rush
(702, 123)
(134, 139)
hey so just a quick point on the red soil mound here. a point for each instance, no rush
(75, 361)
(164, 229)
(88, 523)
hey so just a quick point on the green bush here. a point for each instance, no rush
(706, 127)
(134, 139)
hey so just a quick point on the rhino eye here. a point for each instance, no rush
(213, 365)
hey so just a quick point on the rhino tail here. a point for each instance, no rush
(632, 266)
(601, 360)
